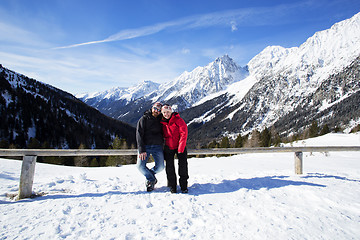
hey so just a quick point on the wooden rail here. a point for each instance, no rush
(30, 156)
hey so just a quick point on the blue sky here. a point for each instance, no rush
(94, 45)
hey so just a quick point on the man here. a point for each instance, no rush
(150, 141)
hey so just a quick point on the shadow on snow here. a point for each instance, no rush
(226, 186)
(321, 175)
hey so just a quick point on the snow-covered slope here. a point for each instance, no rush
(248, 196)
(281, 80)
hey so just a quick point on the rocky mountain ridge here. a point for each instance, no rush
(225, 99)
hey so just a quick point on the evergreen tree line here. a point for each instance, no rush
(109, 161)
(83, 161)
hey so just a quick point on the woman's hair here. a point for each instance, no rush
(166, 107)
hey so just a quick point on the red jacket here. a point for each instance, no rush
(175, 132)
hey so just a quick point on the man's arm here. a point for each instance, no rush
(140, 132)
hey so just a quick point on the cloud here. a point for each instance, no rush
(233, 18)
(11, 34)
(233, 26)
(185, 51)
(131, 33)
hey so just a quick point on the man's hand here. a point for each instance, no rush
(142, 156)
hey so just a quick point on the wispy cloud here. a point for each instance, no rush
(14, 35)
(231, 18)
(131, 33)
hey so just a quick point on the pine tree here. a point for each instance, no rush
(45, 145)
(81, 161)
(4, 143)
(116, 160)
(356, 129)
(324, 130)
(254, 141)
(314, 129)
(94, 163)
(275, 138)
(265, 138)
(34, 144)
(239, 141)
(213, 144)
(225, 143)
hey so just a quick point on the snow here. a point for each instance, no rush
(204, 118)
(249, 196)
(119, 93)
(32, 132)
(7, 98)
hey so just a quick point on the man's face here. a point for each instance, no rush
(155, 111)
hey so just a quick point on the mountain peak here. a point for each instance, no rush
(224, 58)
(148, 83)
(141, 89)
(225, 62)
(333, 48)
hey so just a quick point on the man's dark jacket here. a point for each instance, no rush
(149, 131)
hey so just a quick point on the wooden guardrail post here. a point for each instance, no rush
(298, 163)
(27, 177)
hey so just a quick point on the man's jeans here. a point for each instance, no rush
(157, 152)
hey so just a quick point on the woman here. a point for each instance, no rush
(175, 134)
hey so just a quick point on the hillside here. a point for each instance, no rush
(36, 115)
(335, 103)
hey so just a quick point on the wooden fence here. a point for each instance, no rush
(30, 156)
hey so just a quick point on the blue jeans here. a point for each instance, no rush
(157, 152)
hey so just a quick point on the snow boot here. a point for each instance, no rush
(150, 185)
(173, 190)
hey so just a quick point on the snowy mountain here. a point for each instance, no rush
(279, 87)
(117, 94)
(183, 92)
(193, 86)
(291, 87)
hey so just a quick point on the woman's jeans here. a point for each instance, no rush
(157, 152)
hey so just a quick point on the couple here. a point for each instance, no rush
(153, 127)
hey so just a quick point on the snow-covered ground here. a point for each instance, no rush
(249, 196)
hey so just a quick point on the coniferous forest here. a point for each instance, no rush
(36, 115)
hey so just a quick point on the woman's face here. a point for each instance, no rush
(166, 113)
